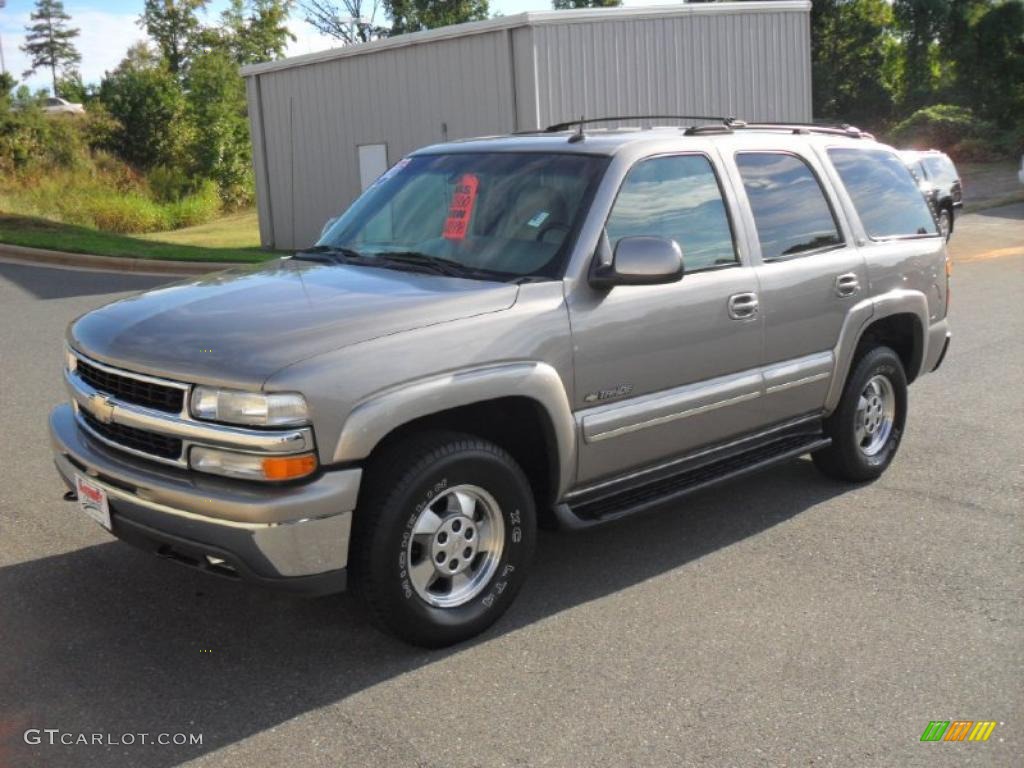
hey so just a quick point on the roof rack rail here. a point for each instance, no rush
(557, 127)
(835, 129)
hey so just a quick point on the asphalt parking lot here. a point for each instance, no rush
(782, 621)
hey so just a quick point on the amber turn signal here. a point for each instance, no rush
(289, 467)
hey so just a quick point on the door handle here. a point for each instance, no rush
(743, 306)
(847, 284)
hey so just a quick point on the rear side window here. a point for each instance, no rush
(790, 210)
(884, 193)
(676, 197)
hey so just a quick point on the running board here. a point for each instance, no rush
(592, 509)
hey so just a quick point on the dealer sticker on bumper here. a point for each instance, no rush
(93, 501)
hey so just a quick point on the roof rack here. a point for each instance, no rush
(557, 127)
(716, 125)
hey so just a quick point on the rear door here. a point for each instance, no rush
(810, 274)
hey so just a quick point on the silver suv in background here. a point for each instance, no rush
(561, 329)
(939, 182)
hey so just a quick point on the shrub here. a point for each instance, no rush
(976, 150)
(99, 128)
(198, 208)
(170, 184)
(940, 127)
(127, 214)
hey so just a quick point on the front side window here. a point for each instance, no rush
(678, 198)
(790, 210)
(504, 214)
(883, 191)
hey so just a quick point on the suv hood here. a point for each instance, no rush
(236, 328)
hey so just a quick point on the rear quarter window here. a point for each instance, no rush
(883, 192)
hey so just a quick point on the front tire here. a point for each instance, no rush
(443, 537)
(867, 427)
(946, 223)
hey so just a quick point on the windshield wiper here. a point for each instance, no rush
(435, 264)
(329, 254)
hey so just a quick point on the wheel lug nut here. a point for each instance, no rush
(456, 525)
(442, 537)
(454, 565)
(467, 553)
(440, 557)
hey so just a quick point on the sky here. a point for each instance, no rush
(108, 28)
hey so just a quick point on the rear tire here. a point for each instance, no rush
(867, 427)
(442, 538)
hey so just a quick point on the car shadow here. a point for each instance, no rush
(45, 282)
(108, 639)
(1008, 211)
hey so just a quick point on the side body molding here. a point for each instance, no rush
(898, 301)
(372, 419)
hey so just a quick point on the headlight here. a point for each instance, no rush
(251, 466)
(275, 409)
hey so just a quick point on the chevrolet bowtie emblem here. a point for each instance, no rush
(102, 408)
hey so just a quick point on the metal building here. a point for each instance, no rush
(326, 124)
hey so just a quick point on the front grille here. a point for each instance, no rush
(132, 390)
(136, 439)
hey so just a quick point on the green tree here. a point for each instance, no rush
(48, 42)
(256, 30)
(920, 24)
(219, 148)
(562, 5)
(174, 26)
(848, 49)
(416, 15)
(7, 83)
(72, 88)
(995, 83)
(148, 103)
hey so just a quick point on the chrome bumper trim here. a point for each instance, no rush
(300, 530)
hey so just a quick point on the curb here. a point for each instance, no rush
(24, 254)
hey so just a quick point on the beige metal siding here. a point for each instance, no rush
(309, 115)
(315, 117)
(752, 66)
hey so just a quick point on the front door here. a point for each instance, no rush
(663, 370)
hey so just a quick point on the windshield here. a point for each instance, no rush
(504, 215)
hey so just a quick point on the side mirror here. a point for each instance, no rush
(327, 225)
(640, 261)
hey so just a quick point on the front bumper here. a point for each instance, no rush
(292, 536)
(939, 337)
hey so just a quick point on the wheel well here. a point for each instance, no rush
(903, 333)
(518, 424)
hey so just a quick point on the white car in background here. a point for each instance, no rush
(53, 105)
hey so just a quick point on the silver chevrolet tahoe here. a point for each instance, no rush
(556, 329)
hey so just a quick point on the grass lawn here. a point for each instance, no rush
(239, 230)
(232, 238)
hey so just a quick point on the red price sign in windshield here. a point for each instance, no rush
(461, 209)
